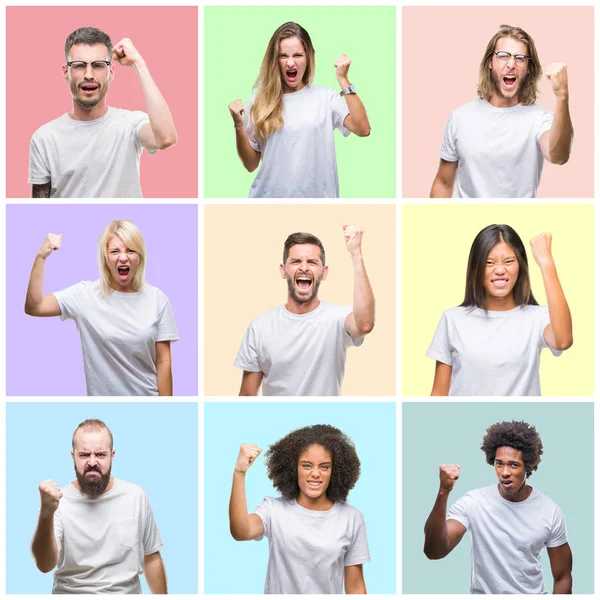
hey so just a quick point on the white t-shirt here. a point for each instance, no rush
(89, 159)
(298, 160)
(507, 539)
(492, 354)
(308, 549)
(497, 149)
(299, 355)
(102, 542)
(118, 336)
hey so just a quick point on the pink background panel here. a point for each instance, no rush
(167, 38)
(442, 48)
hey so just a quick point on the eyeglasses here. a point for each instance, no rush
(98, 66)
(520, 59)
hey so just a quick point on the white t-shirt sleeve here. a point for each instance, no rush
(138, 120)
(348, 339)
(544, 124)
(247, 357)
(340, 110)
(449, 151)
(249, 127)
(459, 511)
(263, 510)
(545, 320)
(440, 348)
(39, 170)
(70, 300)
(58, 530)
(558, 535)
(358, 553)
(152, 540)
(167, 329)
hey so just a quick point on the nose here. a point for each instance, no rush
(505, 471)
(123, 257)
(89, 72)
(92, 461)
(290, 62)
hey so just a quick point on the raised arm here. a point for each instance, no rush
(556, 143)
(558, 333)
(357, 121)
(160, 133)
(248, 155)
(561, 564)
(443, 184)
(441, 535)
(163, 368)
(43, 545)
(362, 318)
(242, 525)
(36, 304)
(154, 572)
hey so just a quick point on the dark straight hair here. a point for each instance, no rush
(483, 243)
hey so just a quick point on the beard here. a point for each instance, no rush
(87, 103)
(96, 486)
(296, 298)
(496, 81)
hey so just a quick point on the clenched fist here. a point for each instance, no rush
(50, 495)
(236, 109)
(557, 74)
(342, 66)
(126, 54)
(247, 455)
(353, 238)
(51, 243)
(448, 476)
(541, 248)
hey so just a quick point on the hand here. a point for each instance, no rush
(50, 494)
(342, 66)
(557, 74)
(541, 247)
(448, 476)
(126, 54)
(51, 243)
(236, 108)
(247, 455)
(353, 238)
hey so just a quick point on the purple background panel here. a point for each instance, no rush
(43, 356)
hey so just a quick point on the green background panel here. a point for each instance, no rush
(235, 42)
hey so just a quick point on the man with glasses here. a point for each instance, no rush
(94, 150)
(495, 145)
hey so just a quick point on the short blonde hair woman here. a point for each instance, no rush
(126, 326)
(288, 124)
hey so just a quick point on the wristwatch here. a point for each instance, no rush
(350, 90)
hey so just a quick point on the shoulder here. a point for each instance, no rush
(533, 311)
(51, 127)
(275, 505)
(350, 512)
(475, 105)
(131, 489)
(126, 117)
(542, 500)
(457, 313)
(266, 318)
(150, 290)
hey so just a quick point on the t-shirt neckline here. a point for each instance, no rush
(527, 500)
(316, 311)
(319, 514)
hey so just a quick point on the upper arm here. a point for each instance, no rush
(349, 124)
(251, 383)
(561, 561)
(48, 307)
(354, 581)
(545, 145)
(456, 531)
(163, 352)
(447, 173)
(147, 138)
(352, 328)
(441, 379)
(40, 190)
(256, 526)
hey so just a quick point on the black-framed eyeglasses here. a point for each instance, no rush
(520, 59)
(97, 65)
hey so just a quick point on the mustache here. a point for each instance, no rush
(88, 469)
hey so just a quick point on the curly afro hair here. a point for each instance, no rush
(282, 460)
(515, 434)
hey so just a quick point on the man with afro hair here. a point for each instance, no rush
(510, 522)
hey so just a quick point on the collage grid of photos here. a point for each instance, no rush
(353, 208)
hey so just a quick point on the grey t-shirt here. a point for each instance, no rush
(102, 542)
(299, 355)
(89, 159)
(492, 354)
(308, 549)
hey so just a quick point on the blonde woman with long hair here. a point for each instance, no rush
(288, 123)
(126, 325)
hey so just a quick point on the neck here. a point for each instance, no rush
(500, 102)
(320, 503)
(500, 304)
(88, 114)
(289, 90)
(301, 308)
(521, 494)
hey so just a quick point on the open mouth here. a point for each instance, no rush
(500, 283)
(89, 88)
(291, 74)
(123, 272)
(303, 283)
(315, 484)
(509, 80)
(506, 483)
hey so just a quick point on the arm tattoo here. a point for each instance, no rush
(40, 190)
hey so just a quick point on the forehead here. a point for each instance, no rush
(88, 53)
(501, 250)
(508, 44)
(307, 251)
(92, 440)
(114, 241)
(315, 454)
(290, 46)
(507, 453)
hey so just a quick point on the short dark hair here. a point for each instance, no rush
(93, 424)
(514, 434)
(302, 238)
(89, 36)
(483, 243)
(282, 460)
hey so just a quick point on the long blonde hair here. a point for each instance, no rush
(132, 237)
(267, 111)
(528, 92)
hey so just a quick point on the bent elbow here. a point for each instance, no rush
(167, 142)
(560, 159)
(367, 328)
(433, 555)
(365, 132)
(30, 310)
(563, 345)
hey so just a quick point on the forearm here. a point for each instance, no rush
(436, 529)
(35, 288)
(363, 305)
(561, 132)
(248, 155)
(159, 114)
(560, 315)
(154, 571)
(43, 545)
(239, 524)
(165, 378)
(563, 585)
(357, 109)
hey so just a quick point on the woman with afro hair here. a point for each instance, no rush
(317, 542)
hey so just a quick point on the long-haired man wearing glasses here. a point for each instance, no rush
(94, 150)
(495, 145)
